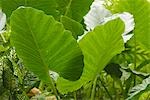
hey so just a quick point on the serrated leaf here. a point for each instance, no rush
(98, 47)
(45, 45)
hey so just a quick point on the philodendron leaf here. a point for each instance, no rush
(75, 27)
(98, 47)
(74, 9)
(48, 6)
(45, 45)
(140, 9)
(138, 90)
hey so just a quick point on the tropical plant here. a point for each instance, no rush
(65, 49)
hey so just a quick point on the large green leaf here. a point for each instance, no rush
(140, 9)
(74, 9)
(48, 6)
(45, 45)
(75, 27)
(98, 47)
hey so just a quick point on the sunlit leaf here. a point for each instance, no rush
(98, 47)
(45, 45)
(140, 9)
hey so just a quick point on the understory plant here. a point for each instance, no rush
(75, 49)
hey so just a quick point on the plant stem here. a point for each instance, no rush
(53, 88)
(105, 89)
(3, 38)
(41, 86)
(121, 86)
(135, 59)
(94, 88)
(75, 95)
(148, 96)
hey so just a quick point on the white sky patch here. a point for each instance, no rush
(128, 20)
(54, 75)
(2, 21)
(98, 15)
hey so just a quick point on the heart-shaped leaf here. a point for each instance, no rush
(45, 45)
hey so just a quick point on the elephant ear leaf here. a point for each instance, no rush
(74, 9)
(98, 47)
(45, 45)
(140, 9)
(75, 27)
(48, 6)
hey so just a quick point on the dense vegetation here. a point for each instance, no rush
(50, 49)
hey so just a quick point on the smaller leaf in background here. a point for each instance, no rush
(114, 70)
(75, 27)
(74, 9)
(138, 90)
(137, 73)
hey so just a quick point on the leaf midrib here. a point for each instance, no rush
(34, 39)
(68, 7)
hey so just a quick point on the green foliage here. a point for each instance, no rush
(72, 11)
(140, 9)
(114, 70)
(138, 90)
(133, 51)
(48, 6)
(97, 53)
(75, 9)
(41, 35)
(75, 27)
(100, 45)
(45, 46)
